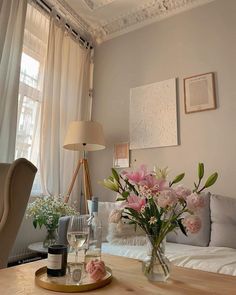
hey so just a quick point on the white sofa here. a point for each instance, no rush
(213, 259)
(213, 249)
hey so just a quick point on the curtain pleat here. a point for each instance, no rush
(12, 22)
(65, 98)
(31, 86)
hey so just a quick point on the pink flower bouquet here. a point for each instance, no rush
(157, 205)
(154, 204)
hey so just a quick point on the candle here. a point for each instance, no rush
(57, 260)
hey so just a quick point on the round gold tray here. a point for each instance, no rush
(65, 283)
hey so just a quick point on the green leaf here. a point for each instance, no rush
(35, 223)
(40, 222)
(125, 194)
(125, 216)
(200, 170)
(178, 178)
(120, 199)
(115, 174)
(132, 222)
(182, 228)
(211, 180)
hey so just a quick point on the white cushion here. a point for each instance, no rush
(125, 234)
(223, 217)
(121, 234)
(213, 259)
(202, 238)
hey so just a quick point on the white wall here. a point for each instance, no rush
(194, 42)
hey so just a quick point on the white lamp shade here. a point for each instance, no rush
(84, 136)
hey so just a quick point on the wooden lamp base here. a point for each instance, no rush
(86, 182)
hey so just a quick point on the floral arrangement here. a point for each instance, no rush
(154, 204)
(47, 211)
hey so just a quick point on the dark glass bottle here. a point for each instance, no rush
(57, 260)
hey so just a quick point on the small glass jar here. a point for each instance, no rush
(57, 260)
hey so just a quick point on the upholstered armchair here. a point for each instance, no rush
(16, 181)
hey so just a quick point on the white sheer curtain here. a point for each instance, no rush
(31, 86)
(65, 98)
(12, 22)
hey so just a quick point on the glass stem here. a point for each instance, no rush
(76, 256)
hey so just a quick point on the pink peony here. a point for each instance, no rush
(166, 198)
(96, 269)
(135, 202)
(195, 201)
(192, 223)
(182, 192)
(137, 176)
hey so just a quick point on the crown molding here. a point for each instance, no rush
(142, 16)
(95, 4)
(145, 14)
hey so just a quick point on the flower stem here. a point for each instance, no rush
(157, 254)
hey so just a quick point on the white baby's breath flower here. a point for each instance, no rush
(143, 208)
(47, 211)
(152, 220)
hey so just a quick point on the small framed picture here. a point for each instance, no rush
(121, 155)
(199, 93)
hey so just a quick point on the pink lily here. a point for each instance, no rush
(137, 176)
(153, 184)
(135, 202)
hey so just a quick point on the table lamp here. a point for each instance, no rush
(85, 136)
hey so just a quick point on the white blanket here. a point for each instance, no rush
(213, 259)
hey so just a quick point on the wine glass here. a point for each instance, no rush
(77, 232)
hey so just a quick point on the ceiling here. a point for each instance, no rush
(106, 19)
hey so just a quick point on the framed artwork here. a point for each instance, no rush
(199, 93)
(153, 115)
(121, 155)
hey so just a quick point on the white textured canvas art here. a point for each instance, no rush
(153, 116)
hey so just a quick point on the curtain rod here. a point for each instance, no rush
(46, 7)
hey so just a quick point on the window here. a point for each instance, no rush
(29, 70)
(31, 87)
(28, 118)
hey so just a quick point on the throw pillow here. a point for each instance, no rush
(201, 238)
(114, 233)
(125, 234)
(223, 217)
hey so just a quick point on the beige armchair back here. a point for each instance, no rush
(16, 182)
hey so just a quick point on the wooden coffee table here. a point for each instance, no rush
(128, 279)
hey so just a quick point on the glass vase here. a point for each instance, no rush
(51, 238)
(156, 266)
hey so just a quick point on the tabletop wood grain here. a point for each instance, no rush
(127, 279)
